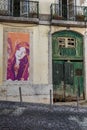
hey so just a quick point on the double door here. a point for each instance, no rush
(67, 80)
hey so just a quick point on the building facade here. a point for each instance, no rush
(43, 49)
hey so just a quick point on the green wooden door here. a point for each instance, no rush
(67, 57)
(67, 80)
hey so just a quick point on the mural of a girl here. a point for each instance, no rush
(18, 61)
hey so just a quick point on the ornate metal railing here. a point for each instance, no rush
(19, 8)
(74, 13)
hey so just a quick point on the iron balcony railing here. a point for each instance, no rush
(70, 12)
(19, 8)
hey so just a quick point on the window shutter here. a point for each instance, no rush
(24, 8)
(71, 10)
(4, 7)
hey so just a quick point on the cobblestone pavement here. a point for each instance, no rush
(29, 116)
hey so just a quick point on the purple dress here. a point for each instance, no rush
(22, 71)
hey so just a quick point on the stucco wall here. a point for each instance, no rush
(38, 50)
(59, 28)
(1, 54)
(45, 6)
(40, 55)
(37, 89)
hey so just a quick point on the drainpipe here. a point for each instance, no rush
(50, 62)
(50, 56)
(85, 64)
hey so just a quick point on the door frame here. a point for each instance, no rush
(65, 34)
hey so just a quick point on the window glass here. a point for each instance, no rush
(66, 42)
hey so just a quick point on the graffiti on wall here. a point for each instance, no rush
(18, 56)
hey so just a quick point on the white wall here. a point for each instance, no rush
(37, 89)
(45, 6)
(40, 55)
(38, 52)
(1, 54)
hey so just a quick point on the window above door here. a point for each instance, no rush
(66, 42)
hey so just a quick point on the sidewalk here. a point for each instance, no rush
(82, 103)
(30, 116)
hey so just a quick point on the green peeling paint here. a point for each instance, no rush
(67, 65)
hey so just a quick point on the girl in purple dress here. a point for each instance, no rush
(18, 63)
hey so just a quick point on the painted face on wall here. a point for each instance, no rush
(20, 53)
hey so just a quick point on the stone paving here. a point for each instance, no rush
(29, 116)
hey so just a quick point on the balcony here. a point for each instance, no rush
(19, 11)
(68, 15)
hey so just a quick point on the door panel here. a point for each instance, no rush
(58, 82)
(57, 72)
(78, 77)
(69, 73)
